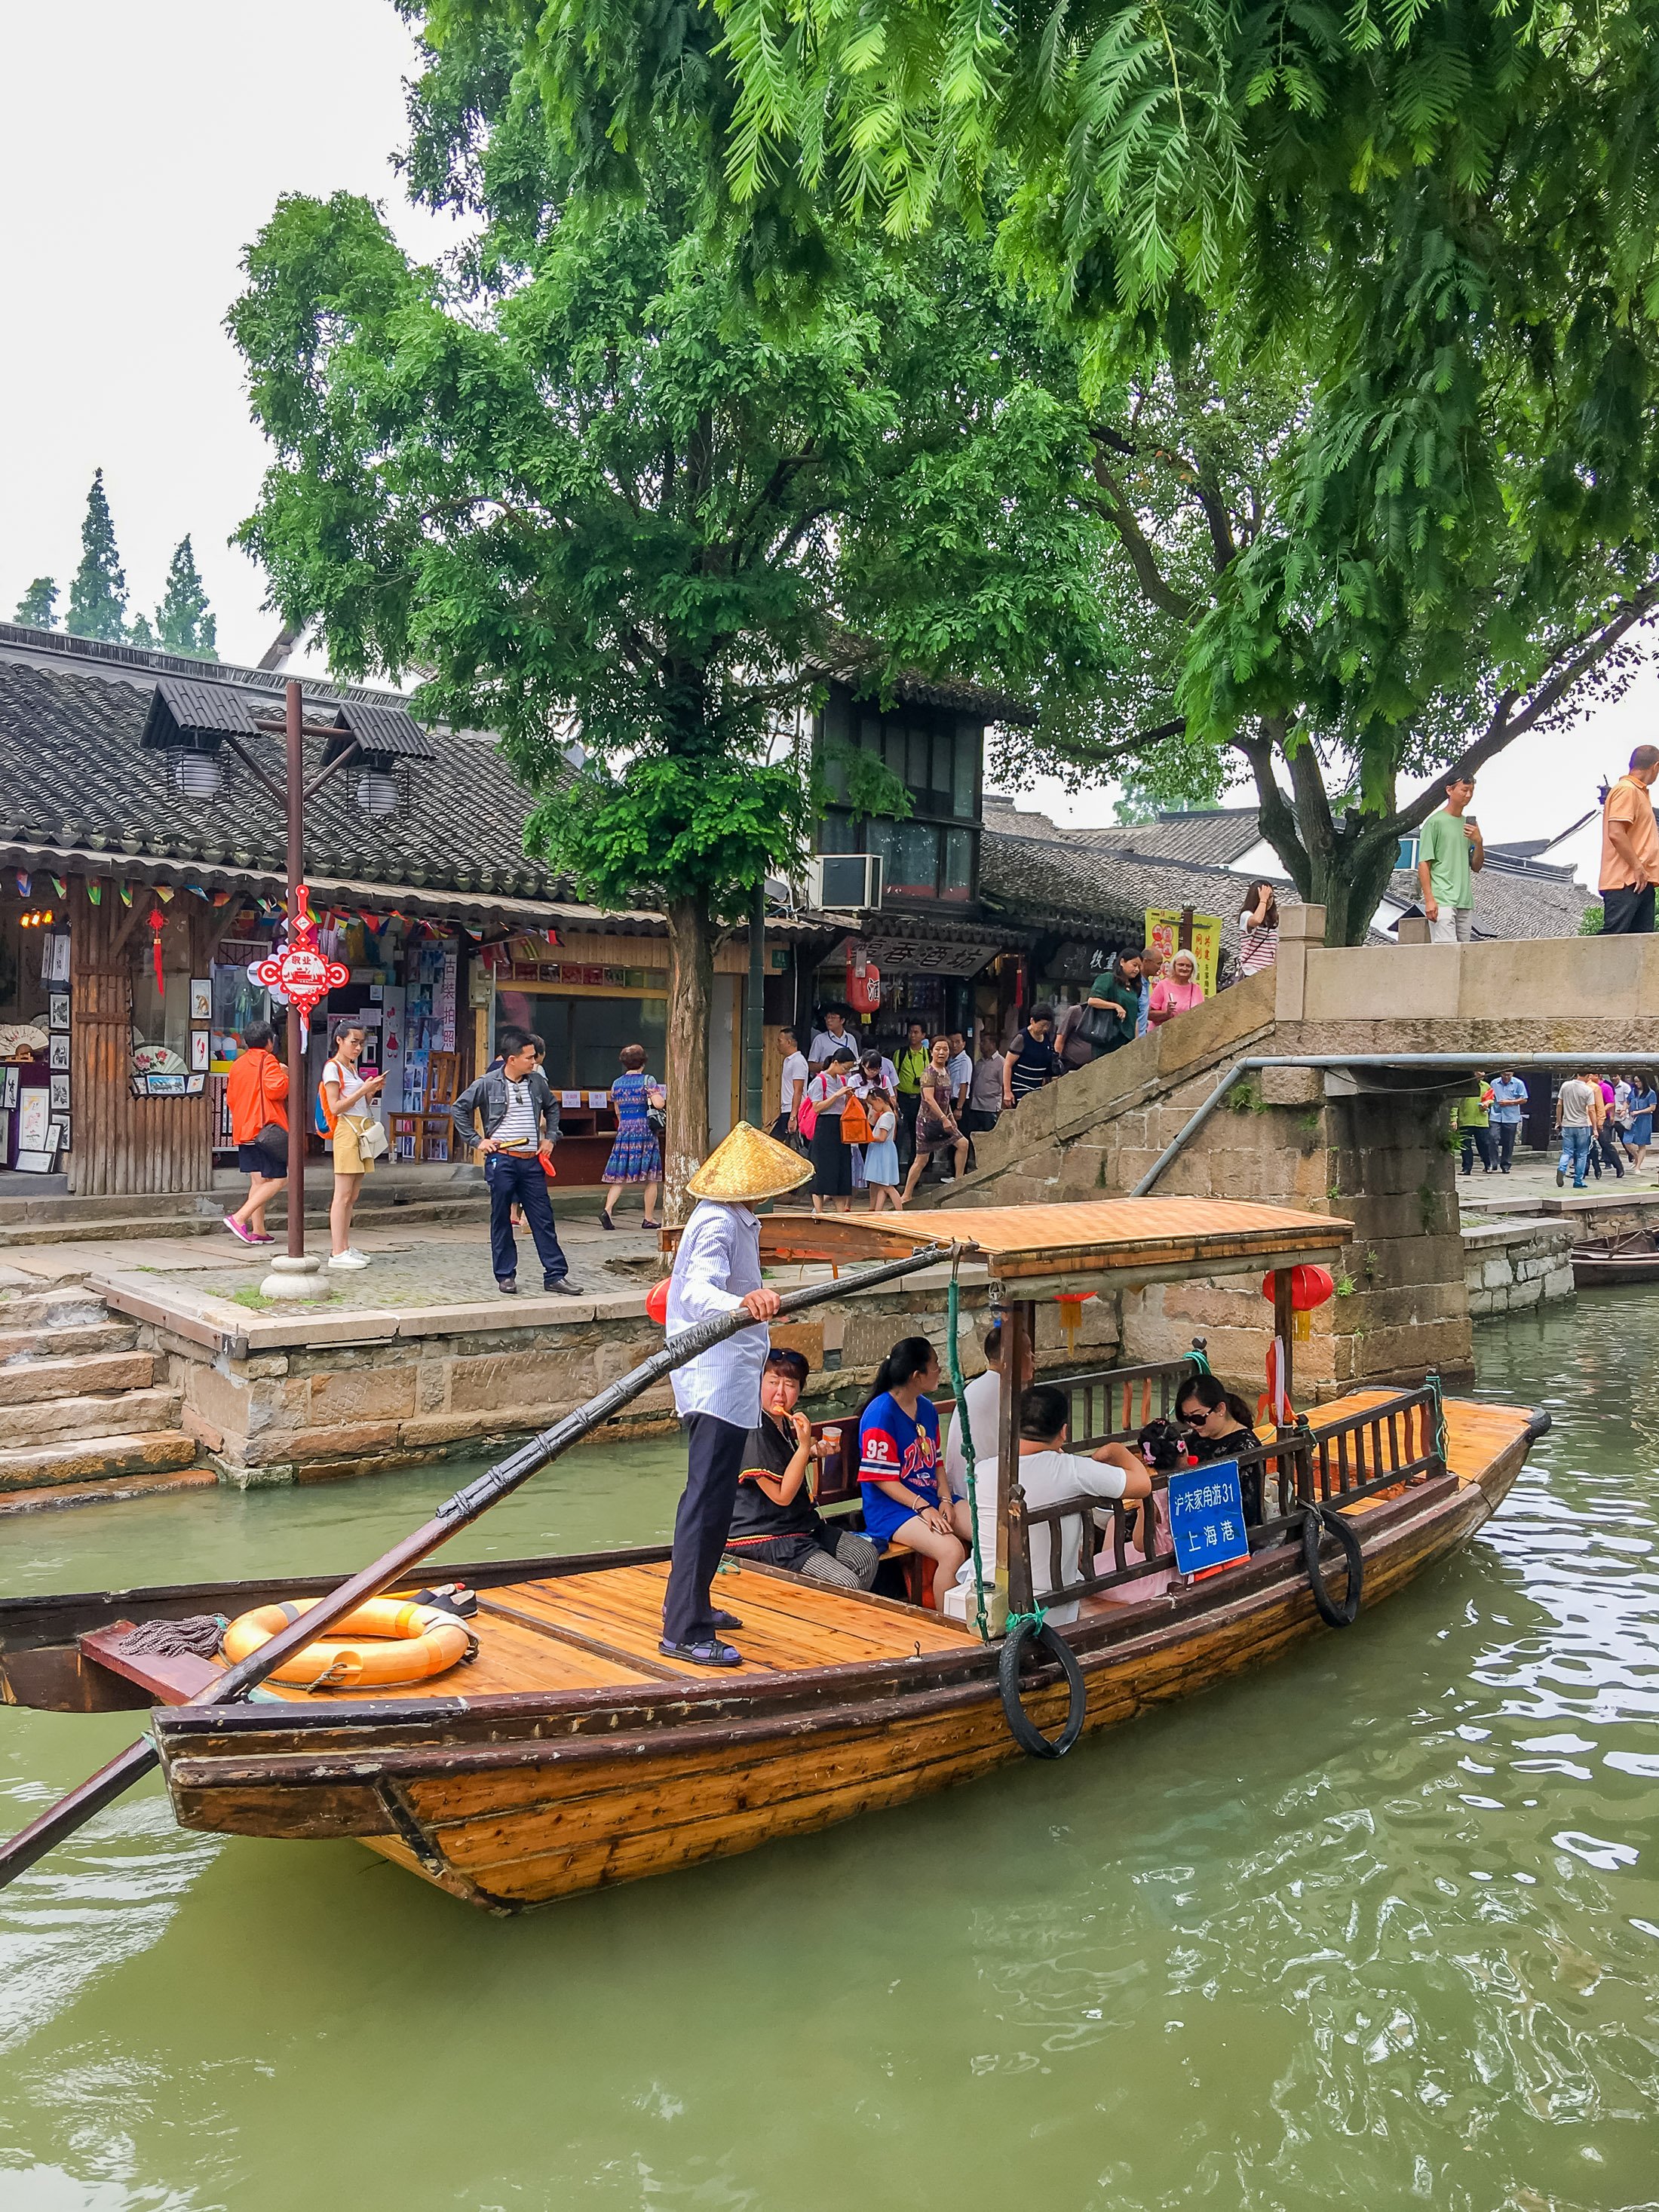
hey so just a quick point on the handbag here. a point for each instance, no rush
(1097, 1027)
(273, 1138)
(855, 1123)
(373, 1142)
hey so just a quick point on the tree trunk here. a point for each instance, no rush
(691, 991)
(1349, 884)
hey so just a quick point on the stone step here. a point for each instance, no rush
(65, 1207)
(48, 1343)
(96, 1458)
(107, 1490)
(32, 1382)
(67, 1421)
(65, 1307)
(125, 1228)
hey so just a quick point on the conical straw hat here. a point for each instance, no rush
(748, 1166)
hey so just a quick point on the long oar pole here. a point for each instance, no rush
(455, 1513)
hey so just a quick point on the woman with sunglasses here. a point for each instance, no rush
(1220, 1427)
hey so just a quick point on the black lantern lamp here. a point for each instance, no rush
(189, 722)
(376, 746)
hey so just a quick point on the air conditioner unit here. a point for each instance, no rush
(845, 882)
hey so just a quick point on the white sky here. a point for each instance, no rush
(141, 148)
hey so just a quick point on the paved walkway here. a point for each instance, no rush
(1532, 1178)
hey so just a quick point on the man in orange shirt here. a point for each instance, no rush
(1630, 849)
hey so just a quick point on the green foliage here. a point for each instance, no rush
(140, 634)
(98, 593)
(1592, 919)
(183, 623)
(37, 608)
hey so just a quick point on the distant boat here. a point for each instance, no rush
(1630, 1258)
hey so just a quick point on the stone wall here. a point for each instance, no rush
(1512, 1265)
(312, 1409)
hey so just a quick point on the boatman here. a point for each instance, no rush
(716, 1270)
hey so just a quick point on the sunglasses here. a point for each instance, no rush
(1193, 1416)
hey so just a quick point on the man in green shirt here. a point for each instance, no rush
(911, 1065)
(1450, 853)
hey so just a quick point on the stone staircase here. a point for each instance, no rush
(85, 1415)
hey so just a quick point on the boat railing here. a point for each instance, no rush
(1383, 1448)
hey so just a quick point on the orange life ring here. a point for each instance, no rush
(404, 1642)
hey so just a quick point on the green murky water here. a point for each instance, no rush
(1379, 1925)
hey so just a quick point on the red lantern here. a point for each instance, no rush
(863, 981)
(656, 1304)
(1309, 1287)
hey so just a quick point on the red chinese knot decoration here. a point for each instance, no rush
(300, 971)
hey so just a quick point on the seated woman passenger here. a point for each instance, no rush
(775, 1519)
(907, 1499)
(1218, 1426)
(1050, 1475)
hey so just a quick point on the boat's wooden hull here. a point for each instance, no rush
(512, 1801)
(1623, 1260)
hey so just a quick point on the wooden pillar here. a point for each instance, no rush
(1013, 1578)
(1283, 1330)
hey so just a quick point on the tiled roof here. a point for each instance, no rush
(1211, 837)
(1514, 903)
(1047, 883)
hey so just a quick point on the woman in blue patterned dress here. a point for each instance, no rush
(636, 1157)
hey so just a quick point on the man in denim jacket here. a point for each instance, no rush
(521, 1128)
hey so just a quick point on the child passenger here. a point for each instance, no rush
(906, 1498)
(881, 1165)
(1050, 1475)
(774, 1520)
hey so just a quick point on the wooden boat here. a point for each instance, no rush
(1611, 1259)
(571, 1754)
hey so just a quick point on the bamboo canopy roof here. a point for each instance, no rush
(1042, 1248)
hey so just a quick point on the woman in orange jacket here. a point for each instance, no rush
(256, 1092)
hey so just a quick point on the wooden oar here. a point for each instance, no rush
(456, 1513)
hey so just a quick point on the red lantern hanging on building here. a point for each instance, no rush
(863, 981)
(300, 971)
(1309, 1287)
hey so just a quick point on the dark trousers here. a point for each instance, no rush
(516, 1179)
(1506, 1132)
(713, 1463)
(1477, 1140)
(909, 1105)
(1627, 913)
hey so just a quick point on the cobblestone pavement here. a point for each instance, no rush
(1533, 1177)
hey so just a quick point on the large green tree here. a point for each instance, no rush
(98, 590)
(38, 607)
(1223, 618)
(183, 622)
(1435, 222)
(583, 484)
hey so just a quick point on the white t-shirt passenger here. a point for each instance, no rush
(795, 1072)
(1048, 1478)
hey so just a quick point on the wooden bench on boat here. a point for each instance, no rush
(571, 1753)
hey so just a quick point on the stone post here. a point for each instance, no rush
(1300, 928)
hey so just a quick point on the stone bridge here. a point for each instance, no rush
(1370, 1144)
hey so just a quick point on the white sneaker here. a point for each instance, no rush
(356, 1255)
(348, 1259)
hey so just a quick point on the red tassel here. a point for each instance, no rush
(158, 922)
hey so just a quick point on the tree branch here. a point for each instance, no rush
(1121, 514)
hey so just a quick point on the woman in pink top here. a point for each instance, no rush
(1177, 993)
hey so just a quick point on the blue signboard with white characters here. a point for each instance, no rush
(1206, 1518)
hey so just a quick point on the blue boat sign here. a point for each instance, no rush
(1206, 1518)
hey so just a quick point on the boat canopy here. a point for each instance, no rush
(1039, 1251)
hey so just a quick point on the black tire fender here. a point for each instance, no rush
(1025, 1731)
(1321, 1519)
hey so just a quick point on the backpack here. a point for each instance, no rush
(323, 1117)
(855, 1123)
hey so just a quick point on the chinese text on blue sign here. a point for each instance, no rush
(1206, 1518)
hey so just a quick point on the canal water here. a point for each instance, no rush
(1379, 1925)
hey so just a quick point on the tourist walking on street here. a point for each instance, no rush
(792, 1086)
(827, 1096)
(717, 1270)
(1030, 1061)
(1258, 930)
(636, 1155)
(1606, 1149)
(915, 1058)
(1643, 1099)
(520, 1126)
(961, 1072)
(1630, 849)
(881, 1167)
(1119, 991)
(1451, 854)
(832, 1037)
(1151, 967)
(1470, 1119)
(937, 1130)
(1178, 992)
(985, 1087)
(1577, 1109)
(344, 1100)
(1509, 1096)
(256, 1092)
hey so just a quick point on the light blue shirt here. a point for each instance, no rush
(1144, 1018)
(1507, 1099)
(718, 1259)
